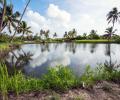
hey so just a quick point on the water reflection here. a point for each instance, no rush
(34, 59)
(17, 60)
(93, 47)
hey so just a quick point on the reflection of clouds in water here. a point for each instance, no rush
(39, 60)
(63, 59)
(61, 56)
(53, 58)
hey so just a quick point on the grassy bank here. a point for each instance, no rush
(4, 46)
(60, 78)
(9, 46)
(74, 41)
(95, 41)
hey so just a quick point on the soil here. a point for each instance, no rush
(101, 91)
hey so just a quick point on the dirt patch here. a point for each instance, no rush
(101, 91)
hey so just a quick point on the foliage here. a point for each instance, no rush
(59, 78)
(88, 77)
(93, 35)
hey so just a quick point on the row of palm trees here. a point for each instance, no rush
(11, 19)
(70, 34)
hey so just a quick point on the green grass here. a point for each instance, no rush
(60, 78)
(94, 41)
(4, 46)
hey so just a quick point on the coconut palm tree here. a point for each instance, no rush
(20, 20)
(54, 35)
(65, 35)
(113, 16)
(110, 31)
(72, 33)
(10, 18)
(47, 34)
(24, 29)
(2, 14)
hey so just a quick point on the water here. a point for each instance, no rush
(34, 59)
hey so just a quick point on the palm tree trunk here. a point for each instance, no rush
(22, 36)
(3, 14)
(20, 20)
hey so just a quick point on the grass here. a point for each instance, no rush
(4, 46)
(94, 41)
(60, 78)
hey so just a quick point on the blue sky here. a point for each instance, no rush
(63, 15)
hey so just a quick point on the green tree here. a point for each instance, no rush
(24, 29)
(47, 34)
(113, 16)
(93, 35)
(110, 31)
(65, 35)
(54, 35)
(72, 34)
(2, 14)
(10, 18)
(20, 20)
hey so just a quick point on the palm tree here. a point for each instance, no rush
(24, 29)
(110, 31)
(113, 16)
(20, 20)
(2, 14)
(47, 34)
(65, 35)
(10, 19)
(55, 35)
(72, 33)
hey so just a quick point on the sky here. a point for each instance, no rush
(64, 15)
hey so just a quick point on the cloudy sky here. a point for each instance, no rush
(63, 15)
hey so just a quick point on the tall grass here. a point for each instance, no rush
(60, 78)
(4, 46)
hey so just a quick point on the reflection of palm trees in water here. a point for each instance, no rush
(108, 53)
(71, 47)
(45, 47)
(18, 61)
(93, 47)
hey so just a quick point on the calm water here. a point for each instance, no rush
(34, 59)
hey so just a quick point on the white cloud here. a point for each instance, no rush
(83, 15)
(57, 20)
(55, 12)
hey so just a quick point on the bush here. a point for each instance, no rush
(87, 78)
(59, 78)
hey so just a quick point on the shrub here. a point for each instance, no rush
(87, 78)
(59, 78)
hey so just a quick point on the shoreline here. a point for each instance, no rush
(101, 91)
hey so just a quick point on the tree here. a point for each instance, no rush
(113, 16)
(20, 20)
(93, 35)
(24, 29)
(47, 34)
(72, 34)
(65, 35)
(110, 31)
(84, 36)
(44, 33)
(10, 18)
(2, 14)
(55, 35)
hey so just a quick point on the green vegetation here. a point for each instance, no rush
(4, 46)
(94, 41)
(60, 78)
